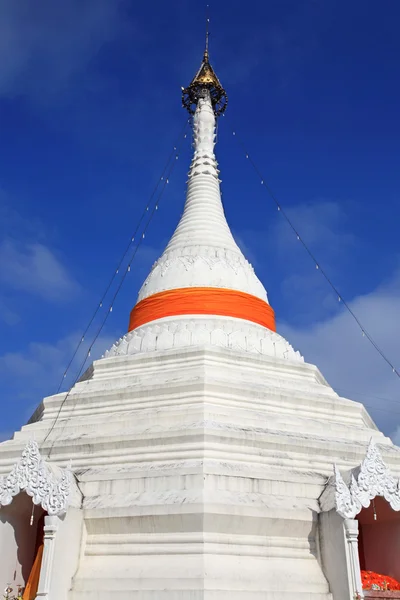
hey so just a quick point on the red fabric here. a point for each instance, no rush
(202, 301)
(384, 581)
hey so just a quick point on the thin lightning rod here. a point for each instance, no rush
(207, 27)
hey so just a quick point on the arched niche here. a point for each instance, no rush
(379, 538)
(19, 540)
(347, 508)
(57, 501)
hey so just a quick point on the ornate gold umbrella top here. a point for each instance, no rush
(205, 79)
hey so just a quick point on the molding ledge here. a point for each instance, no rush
(350, 493)
(54, 488)
(194, 331)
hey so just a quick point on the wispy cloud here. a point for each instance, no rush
(279, 47)
(324, 227)
(45, 44)
(34, 268)
(7, 314)
(15, 225)
(315, 322)
(26, 376)
(41, 359)
(321, 327)
(29, 263)
(319, 222)
(347, 358)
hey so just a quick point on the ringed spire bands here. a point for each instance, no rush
(202, 271)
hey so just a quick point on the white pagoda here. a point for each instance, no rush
(201, 458)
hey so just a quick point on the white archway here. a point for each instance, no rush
(55, 493)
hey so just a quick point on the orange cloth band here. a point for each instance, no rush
(34, 576)
(202, 301)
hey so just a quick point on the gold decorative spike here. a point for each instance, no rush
(205, 79)
(206, 74)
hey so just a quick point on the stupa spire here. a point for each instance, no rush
(202, 290)
(202, 270)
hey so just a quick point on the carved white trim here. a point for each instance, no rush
(192, 331)
(202, 251)
(48, 485)
(202, 266)
(343, 498)
(372, 478)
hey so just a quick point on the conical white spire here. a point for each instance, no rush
(203, 222)
(202, 291)
(202, 251)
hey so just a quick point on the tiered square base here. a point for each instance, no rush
(200, 471)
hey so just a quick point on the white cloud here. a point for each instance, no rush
(323, 226)
(28, 264)
(27, 376)
(14, 225)
(7, 314)
(319, 325)
(321, 221)
(349, 361)
(41, 361)
(33, 268)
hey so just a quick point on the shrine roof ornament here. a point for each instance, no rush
(350, 493)
(54, 488)
(205, 80)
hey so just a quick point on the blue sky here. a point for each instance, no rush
(89, 111)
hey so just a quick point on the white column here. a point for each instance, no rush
(50, 531)
(351, 529)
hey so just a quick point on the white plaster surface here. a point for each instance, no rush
(66, 554)
(336, 556)
(201, 470)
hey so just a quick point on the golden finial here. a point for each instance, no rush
(205, 79)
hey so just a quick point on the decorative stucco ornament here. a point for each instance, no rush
(344, 500)
(233, 334)
(372, 478)
(48, 485)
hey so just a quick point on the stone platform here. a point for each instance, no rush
(200, 471)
